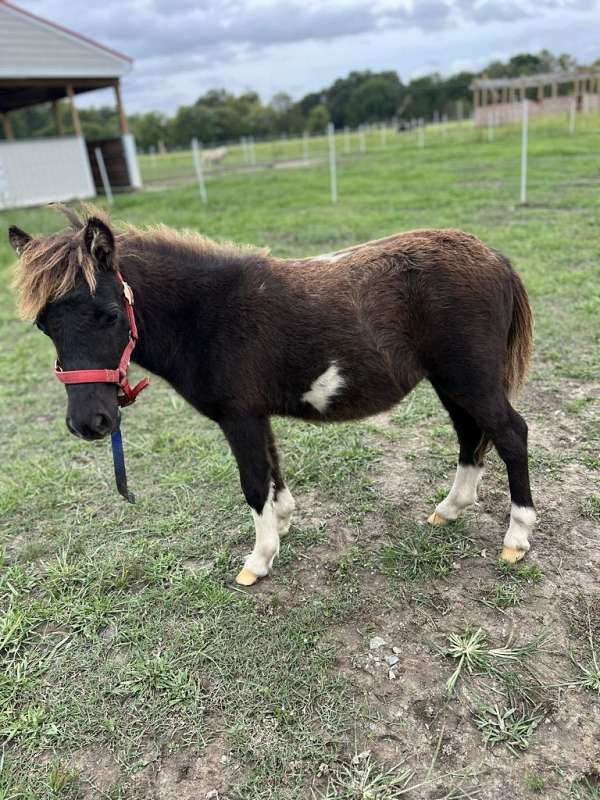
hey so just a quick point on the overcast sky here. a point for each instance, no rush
(184, 47)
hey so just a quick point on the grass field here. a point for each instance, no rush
(382, 659)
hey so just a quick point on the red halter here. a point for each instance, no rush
(127, 394)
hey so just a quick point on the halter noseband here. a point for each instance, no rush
(127, 394)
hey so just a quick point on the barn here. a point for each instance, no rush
(41, 62)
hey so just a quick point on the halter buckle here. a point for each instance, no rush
(128, 292)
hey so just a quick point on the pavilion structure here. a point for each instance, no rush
(499, 100)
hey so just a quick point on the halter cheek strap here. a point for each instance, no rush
(118, 376)
(127, 393)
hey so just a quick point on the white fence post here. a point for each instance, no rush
(332, 169)
(197, 155)
(104, 175)
(491, 122)
(524, 139)
(572, 116)
(445, 125)
(305, 145)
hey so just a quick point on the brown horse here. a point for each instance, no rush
(242, 336)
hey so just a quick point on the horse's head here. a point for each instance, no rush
(67, 282)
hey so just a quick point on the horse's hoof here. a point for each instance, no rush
(437, 519)
(510, 555)
(246, 578)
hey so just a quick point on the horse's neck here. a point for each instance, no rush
(176, 302)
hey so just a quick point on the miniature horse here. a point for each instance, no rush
(242, 335)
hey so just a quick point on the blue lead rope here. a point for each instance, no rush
(119, 464)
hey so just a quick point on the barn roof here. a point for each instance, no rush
(39, 59)
(537, 79)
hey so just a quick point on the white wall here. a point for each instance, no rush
(33, 48)
(38, 171)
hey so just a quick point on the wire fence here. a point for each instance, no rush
(336, 149)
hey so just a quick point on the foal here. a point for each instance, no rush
(242, 336)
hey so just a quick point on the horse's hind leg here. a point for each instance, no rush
(503, 426)
(509, 435)
(473, 443)
(283, 502)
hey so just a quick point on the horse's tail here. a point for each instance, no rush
(520, 338)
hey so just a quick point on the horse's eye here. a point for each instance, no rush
(106, 316)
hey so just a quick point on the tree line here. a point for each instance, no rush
(362, 97)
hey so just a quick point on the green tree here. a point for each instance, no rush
(317, 119)
(377, 98)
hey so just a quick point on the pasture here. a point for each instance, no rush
(383, 658)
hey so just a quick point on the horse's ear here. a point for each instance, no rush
(100, 243)
(18, 239)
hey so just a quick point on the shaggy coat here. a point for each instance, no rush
(243, 336)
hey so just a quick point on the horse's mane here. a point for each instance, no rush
(48, 266)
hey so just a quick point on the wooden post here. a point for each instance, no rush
(58, 120)
(74, 112)
(104, 175)
(540, 93)
(9, 133)
(120, 110)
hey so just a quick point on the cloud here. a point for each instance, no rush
(181, 47)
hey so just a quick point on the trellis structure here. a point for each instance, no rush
(498, 100)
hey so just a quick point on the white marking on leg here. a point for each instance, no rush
(266, 546)
(285, 506)
(463, 492)
(324, 388)
(522, 520)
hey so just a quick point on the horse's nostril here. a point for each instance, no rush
(101, 424)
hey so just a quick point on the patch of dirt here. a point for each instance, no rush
(408, 713)
(98, 772)
(187, 775)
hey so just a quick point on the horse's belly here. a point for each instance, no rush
(337, 394)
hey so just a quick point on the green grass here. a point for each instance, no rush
(512, 727)
(420, 552)
(119, 626)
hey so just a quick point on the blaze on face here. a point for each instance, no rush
(90, 330)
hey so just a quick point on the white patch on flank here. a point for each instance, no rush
(463, 492)
(324, 388)
(522, 520)
(285, 506)
(331, 257)
(266, 546)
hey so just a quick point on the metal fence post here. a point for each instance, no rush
(524, 140)
(197, 155)
(332, 165)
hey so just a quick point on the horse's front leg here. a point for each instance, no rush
(283, 502)
(248, 437)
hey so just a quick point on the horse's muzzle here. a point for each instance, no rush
(97, 427)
